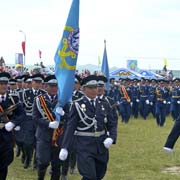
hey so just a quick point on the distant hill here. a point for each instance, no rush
(92, 68)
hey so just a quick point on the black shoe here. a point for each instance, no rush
(22, 159)
(35, 168)
(26, 166)
(26, 163)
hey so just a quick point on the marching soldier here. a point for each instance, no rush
(144, 98)
(89, 120)
(12, 86)
(124, 102)
(161, 101)
(48, 135)
(152, 96)
(29, 127)
(14, 115)
(135, 98)
(18, 132)
(77, 93)
(102, 80)
(28, 82)
(175, 100)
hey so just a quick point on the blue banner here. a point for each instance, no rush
(105, 66)
(66, 55)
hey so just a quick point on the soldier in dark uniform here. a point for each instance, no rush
(102, 80)
(124, 102)
(47, 125)
(89, 119)
(7, 122)
(161, 102)
(175, 100)
(12, 86)
(77, 93)
(28, 82)
(29, 127)
(19, 82)
(144, 98)
(135, 98)
(18, 133)
(152, 96)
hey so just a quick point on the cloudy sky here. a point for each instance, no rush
(134, 29)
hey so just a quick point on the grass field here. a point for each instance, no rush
(138, 154)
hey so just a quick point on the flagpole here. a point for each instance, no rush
(99, 64)
(25, 44)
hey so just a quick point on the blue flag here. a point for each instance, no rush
(66, 56)
(105, 66)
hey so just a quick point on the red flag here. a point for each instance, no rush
(23, 47)
(40, 54)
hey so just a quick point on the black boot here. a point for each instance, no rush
(34, 161)
(55, 177)
(63, 177)
(22, 158)
(3, 173)
(18, 151)
(26, 163)
(28, 152)
(41, 174)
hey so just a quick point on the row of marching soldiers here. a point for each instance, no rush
(142, 97)
(87, 129)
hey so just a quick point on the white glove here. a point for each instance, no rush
(147, 101)
(9, 126)
(54, 124)
(131, 103)
(164, 102)
(169, 102)
(137, 100)
(17, 128)
(60, 111)
(178, 102)
(151, 103)
(63, 154)
(108, 142)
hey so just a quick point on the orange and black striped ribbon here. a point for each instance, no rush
(57, 132)
(125, 93)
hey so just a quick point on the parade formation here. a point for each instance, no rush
(62, 121)
(88, 125)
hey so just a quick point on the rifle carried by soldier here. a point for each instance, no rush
(4, 114)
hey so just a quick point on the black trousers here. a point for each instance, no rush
(6, 158)
(173, 136)
(92, 166)
(3, 173)
(46, 154)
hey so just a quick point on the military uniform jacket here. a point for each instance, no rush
(77, 94)
(16, 117)
(43, 132)
(28, 99)
(84, 118)
(113, 107)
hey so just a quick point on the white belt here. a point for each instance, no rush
(29, 114)
(90, 134)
